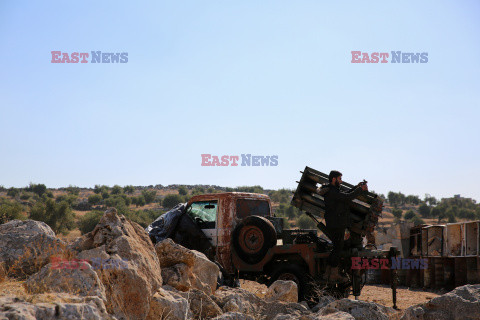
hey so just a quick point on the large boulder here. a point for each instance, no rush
(360, 310)
(234, 316)
(184, 269)
(201, 305)
(76, 308)
(462, 303)
(242, 301)
(130, 288)
(169, 305)
(26, 246)
(286, 291)
(80, 281)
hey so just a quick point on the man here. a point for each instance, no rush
(337, 218)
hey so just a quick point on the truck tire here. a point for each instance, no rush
(296, 274)
(252, 238)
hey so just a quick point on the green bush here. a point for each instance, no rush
(10, 210)
(304, 222)
(182, 191)
(143, 217)
(117, 189)
(149, 195)
(171, 200)
(25, 196)
(88, 222)
(13, 192)
(105, 195)
(417, 220)
(138, 201)
(397, 213)
(409, 214)
(73, 190)
(69, 198)
(38, 189)
(59, 216)
(129, 189)
(100, 189)
(95, 199)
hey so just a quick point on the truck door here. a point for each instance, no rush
(204, 213)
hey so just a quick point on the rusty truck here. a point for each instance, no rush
(240, 232)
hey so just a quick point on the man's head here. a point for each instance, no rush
(335, 178)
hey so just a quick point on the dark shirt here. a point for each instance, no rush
(337, 205)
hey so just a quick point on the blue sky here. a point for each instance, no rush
(230, 78)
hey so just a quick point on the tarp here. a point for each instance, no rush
(164, 226)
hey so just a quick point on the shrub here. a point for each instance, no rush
(58, 216)
(95, 199)
(409, 214)
(171, 200)
(424, 210)
(10, 210)
(143, 217)
(24, 196)
(397, 213)
(182, 191)
(69, 198)
(117, 189)
(105, 195)
(88, 222)
(100, 189)
(13, 192)
(149, 195)
(38, 189)
(304, 222)
(129, 189)
(73, 190)
(138, 201)
(417, 220)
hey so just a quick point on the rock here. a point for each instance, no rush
(461, 303)
(26, 246)
(129, 289)
(234, 316)
(169, 254)
(201, 305)
(206, 273)
(280, 290)
(322, 302)
(184, 269)
(169, 305)
(177, 276)
(88, 309)
(338, 315)
(360, 310)
(295, 310)
(83, 282)
(238, 300)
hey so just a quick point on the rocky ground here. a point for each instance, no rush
(115, 272)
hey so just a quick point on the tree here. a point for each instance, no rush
(182, 191)
(59, 216)
(129, 189)
(149, 195)
(39, 189)
(424, 210)
(171, 200)
(397, 213)
(10, 210)
(95, 199)
(88, 222)
(100, 188)
(304, 222)
(117, 189)
(409, 214)
(73, 190)
(139, 201)
(13, 192)
(417, 220)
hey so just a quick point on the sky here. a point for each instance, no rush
(241, 77)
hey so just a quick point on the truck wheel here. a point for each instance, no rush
(296, 274)
(252, 238)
